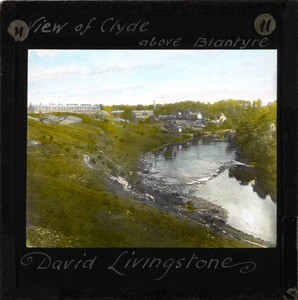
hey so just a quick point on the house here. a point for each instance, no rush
(168, 117)
(117, 112)
(173, 127)
(69, 108)
(142, 115)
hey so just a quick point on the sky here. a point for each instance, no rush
(112, 77)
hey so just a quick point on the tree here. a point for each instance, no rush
(257, 142)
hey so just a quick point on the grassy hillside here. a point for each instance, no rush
(72, 200)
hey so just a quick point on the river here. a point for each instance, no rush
(207, 169)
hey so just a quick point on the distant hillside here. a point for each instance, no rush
(84, 189)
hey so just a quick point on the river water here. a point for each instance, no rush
(210, 170)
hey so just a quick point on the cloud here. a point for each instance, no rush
(37, 73)
(127, 68)
(107, 90)
(96, 94)
(134, 76)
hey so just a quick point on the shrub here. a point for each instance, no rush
(190, 206)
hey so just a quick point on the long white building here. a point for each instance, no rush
(71, 108)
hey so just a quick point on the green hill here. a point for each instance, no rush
(73, 199)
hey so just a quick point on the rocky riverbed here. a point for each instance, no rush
(173, 198)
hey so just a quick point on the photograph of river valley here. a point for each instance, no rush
(151, 148)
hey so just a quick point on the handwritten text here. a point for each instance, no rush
(128, 261)
(43, 261)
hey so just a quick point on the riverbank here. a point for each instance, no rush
(174, 198)
(84, 190)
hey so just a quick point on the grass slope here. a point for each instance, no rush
(70, 203)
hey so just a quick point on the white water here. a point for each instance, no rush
(246, 210)
(198, 168)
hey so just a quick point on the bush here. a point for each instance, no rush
(190, 206)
